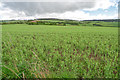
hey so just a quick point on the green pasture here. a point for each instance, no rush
(44, 51)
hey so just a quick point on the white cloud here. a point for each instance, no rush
(77, 15)
(101, 4)
(103, 16)
(8, 14)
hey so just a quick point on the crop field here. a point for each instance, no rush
(49, 51)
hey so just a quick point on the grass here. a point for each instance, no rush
(102, 23)
(42, 51)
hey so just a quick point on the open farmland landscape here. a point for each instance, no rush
(60, 51)
(59, 39)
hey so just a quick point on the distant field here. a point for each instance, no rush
(61, 22)
(44, 51)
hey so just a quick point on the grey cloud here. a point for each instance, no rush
(47, 0)
(33, 8)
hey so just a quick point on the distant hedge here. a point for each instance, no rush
(20, 22)
(51, 23)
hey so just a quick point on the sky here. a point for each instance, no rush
(62, 9)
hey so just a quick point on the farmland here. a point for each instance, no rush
(50, 51)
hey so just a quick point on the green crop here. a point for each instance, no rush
(43, 51)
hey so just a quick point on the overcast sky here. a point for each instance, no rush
(63, 9)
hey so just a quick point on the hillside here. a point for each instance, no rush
(64, 22)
